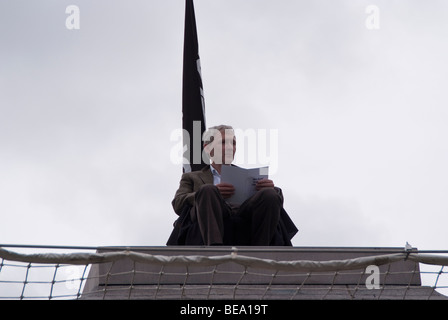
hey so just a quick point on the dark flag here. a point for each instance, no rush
(193, 106)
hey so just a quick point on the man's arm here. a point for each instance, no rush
(184, 195)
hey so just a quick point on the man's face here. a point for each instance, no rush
(222, 149)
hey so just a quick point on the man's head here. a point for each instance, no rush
(220, 144)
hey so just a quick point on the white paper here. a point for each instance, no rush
(244, 181)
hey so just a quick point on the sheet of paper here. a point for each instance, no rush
(244, 181)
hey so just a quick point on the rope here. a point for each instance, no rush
(246, 261)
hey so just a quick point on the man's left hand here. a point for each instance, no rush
(264, 183)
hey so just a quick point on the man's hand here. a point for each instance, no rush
(226, 189)
(264, 183)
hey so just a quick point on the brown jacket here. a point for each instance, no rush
(189, 184)
(184, 232)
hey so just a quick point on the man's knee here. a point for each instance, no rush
(207, 190)
(270, 195)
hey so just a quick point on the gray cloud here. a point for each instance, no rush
(86, 116)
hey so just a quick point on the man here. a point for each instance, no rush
(207, 218)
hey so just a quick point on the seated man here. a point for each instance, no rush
(206, 218)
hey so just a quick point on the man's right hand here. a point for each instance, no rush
(226, 189)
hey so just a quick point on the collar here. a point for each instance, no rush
(214, 171)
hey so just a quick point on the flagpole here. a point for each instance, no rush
(193, 104)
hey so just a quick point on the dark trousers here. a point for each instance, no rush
(253, 223)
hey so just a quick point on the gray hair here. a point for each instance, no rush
(209, 135)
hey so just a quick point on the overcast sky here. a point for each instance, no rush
(87, 115)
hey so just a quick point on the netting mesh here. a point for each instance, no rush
(138, 275)
(40, 281)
